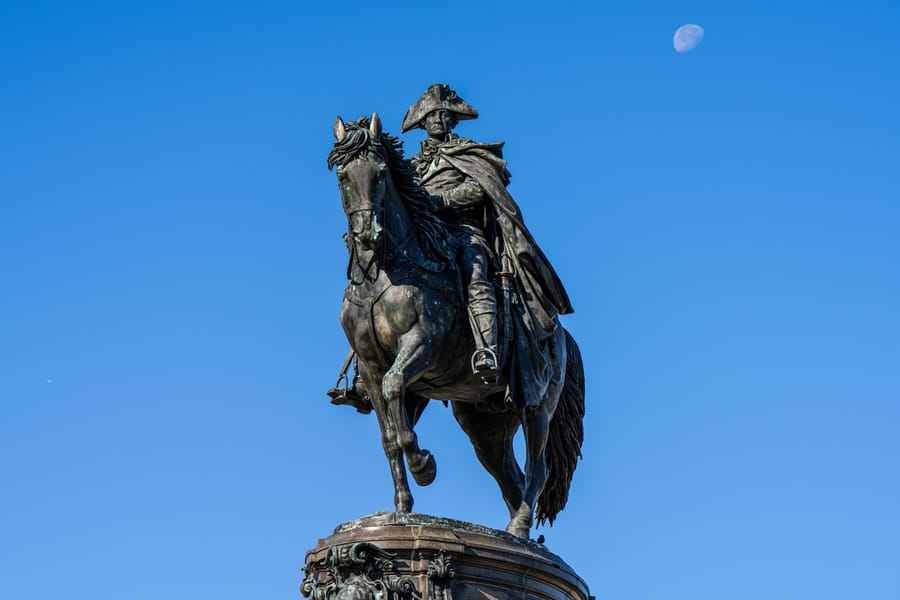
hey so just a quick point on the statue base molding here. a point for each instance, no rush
(390, 556)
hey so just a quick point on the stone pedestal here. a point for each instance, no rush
(386, 556)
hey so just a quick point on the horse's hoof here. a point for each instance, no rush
(518, 531)
(424, 469)
(520, 524)
(403, 504)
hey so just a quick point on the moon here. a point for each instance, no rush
(687, 37)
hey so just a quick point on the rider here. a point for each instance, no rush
(468, 181)
(460, 200)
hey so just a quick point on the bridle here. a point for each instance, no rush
(371, 213)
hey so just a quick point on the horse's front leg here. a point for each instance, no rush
(403, 500)
(413, 356)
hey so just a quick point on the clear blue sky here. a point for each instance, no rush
(727, 223)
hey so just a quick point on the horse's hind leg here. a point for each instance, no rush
(403, 500)
(536, 425)
(491, 435)
(413, 356)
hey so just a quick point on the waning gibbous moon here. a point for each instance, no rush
(687, 37)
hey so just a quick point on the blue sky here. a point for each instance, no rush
(726, 222)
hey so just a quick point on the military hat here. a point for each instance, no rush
(437, 96)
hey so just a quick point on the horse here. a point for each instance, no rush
(406, 320)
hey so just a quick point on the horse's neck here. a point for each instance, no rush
(399, 243)
(400, 237)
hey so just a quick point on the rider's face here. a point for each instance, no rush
(438, 123)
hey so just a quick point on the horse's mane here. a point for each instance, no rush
(357, 141)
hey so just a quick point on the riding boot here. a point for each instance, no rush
(484, 360)
(353, 394)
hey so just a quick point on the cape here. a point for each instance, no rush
(535, 320)
(484, 163)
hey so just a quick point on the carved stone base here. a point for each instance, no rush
(386, 556)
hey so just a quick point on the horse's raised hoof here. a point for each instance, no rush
(424, 469)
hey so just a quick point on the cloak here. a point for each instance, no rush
(484, 163)
(537, 286)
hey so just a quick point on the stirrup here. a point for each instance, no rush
(350, 397)
(488, 374)
(354, 394)
(351, 394)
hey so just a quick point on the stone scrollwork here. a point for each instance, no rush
(440, 572)
(360, 571)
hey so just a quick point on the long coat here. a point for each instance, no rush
(537, 283)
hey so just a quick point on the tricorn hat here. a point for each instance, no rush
(437, 96)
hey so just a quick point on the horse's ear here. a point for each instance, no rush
(375, 126)
(339, 130)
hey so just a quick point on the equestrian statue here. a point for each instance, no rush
(450, 298)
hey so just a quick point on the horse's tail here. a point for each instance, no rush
(566, 435)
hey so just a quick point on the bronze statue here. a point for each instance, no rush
(408, 321)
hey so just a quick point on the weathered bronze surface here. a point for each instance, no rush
(391, 556)
(450, 298)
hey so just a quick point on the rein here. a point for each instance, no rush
(381, 255)
(365, 207)
(365, 269)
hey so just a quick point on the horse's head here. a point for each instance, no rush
(362, 172)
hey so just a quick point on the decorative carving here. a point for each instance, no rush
(394, 556)
(440, 572)
(360, 571)
(441, 568)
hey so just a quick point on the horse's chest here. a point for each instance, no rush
(356, 315)
(362, 321)
(375, 319)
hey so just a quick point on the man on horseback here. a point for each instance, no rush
(404, 320)
(467, 181)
